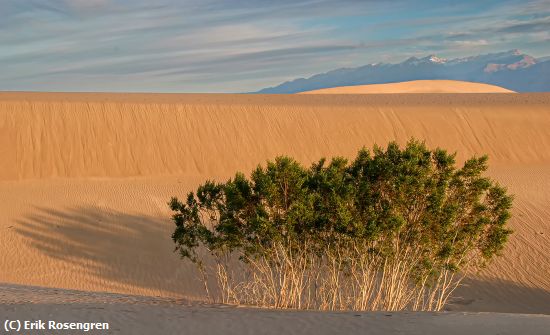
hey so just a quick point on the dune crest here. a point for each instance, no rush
(415, 86)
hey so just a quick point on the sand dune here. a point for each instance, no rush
(107, 135)
(84, 178)
(135, 315)
(415, 86)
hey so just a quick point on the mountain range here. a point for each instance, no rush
(512, 69)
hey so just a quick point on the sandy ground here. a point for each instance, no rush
(85, 178)
(149, 315)
(415, 86)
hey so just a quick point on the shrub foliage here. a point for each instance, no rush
(396, 228)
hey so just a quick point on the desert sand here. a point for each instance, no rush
(134, 315)
(415, 86)
(85, 178)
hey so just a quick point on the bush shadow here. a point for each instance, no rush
(110, 251)
(496, 295)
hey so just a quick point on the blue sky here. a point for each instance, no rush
(243, 45)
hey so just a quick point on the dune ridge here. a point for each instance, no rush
(115, 136)
(415, 86)
(84, 178)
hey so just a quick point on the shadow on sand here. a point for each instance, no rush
(119, 252)
(111, 251)
(499, 296)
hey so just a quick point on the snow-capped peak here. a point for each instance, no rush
(435, 59)
(428, 59)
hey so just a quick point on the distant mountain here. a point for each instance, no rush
(512, 69)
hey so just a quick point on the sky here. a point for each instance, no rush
(243, 45)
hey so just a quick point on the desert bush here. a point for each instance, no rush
(394, 229)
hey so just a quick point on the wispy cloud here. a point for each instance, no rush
(470, 43)
(519, 27)
(241, 45)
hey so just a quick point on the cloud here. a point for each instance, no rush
(87, 6)
(240, 45)
(64, 7)
(470, 43)
(525, 27)
(458, 36)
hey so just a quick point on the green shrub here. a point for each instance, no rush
(391, 230)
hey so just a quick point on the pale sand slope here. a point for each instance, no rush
(146, 315)
(85, 178)
(415, 86)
